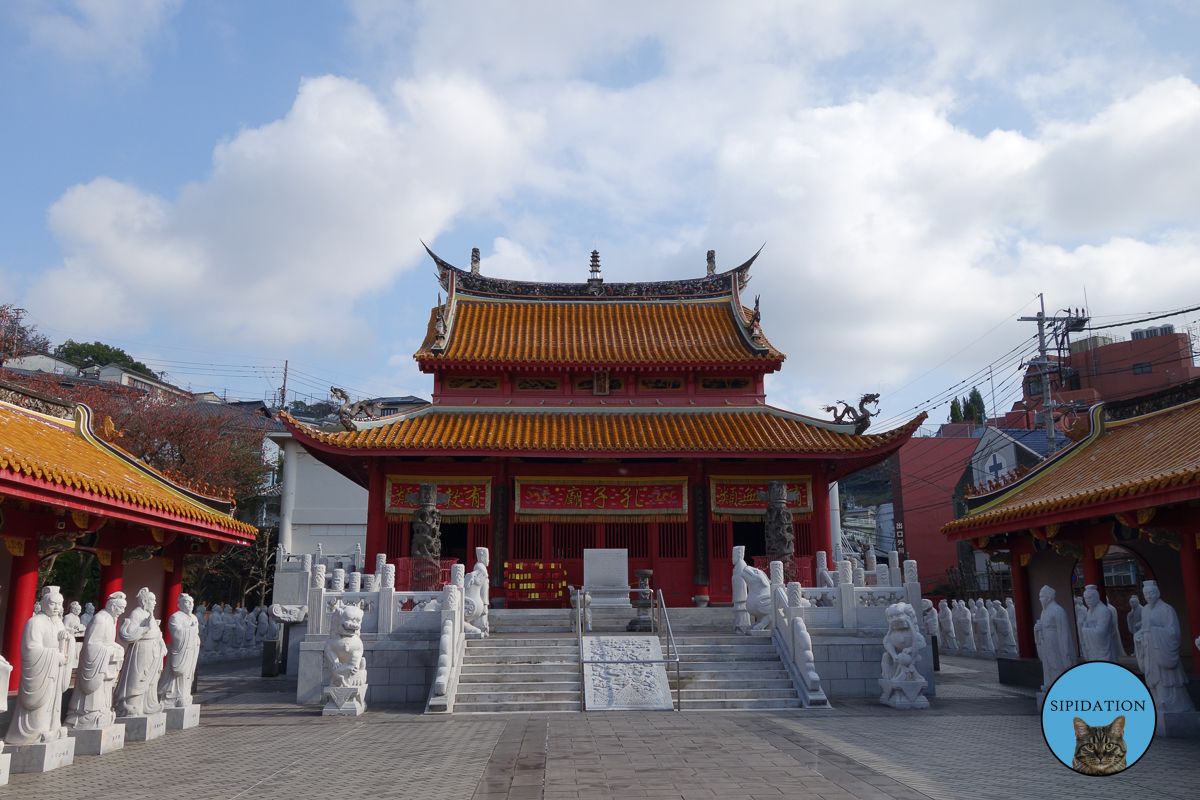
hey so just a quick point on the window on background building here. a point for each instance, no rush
(1034, 387)
(1142, 369)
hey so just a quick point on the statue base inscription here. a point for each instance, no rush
(903, 694)
(180, 719)
(143, 729)
(41, 757)
(97, 741)
(344, 701)
(625, 686)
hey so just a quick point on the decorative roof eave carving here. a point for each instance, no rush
(721, 285)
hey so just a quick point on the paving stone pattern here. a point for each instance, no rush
(978, 741)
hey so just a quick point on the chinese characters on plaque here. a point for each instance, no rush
(463, 495)
(596, 496)
(738, 495)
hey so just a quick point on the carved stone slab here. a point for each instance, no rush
(143, 729)
(624, 687)
(180, 719)
(41, 757)
(97, 741)
(5, 763)
(607, 569)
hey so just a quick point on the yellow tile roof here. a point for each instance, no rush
(53, 450)
(599, 333)
(1131, 457)
(750, 430)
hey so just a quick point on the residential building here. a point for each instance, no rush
(42, 362)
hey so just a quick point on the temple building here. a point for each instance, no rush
(1119, 506)
(600, 415)
(64, 487)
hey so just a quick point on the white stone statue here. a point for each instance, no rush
(345, 664)
(214, 632)
(263, 629)
(930, 617)
(475, 595)
(1055, 644)
(1158, 653)
(947, 642)
(72, 621)
(100, 663)
(1012, 617)
(249, 631)
(45, 673)
(981, 626)
(201, 614)
(144, 651)
(1133, 620)
(175, 685)
(85, 618)
(236, 629)
(1080, 616)
(755, 590)
(1006, 643)
(903, 686)
(1100, 639)
(963, 629)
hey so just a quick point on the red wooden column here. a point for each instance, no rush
(822, 535)
(376, 521)
(172, 588)
(1189, 560)
(22, 591)
(1026, 648)
(111, 575)
(1093, 572)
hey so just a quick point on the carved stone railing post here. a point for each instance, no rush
(316, 601)
(846, 595)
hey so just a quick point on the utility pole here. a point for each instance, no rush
(1071, 322)
(283, 391)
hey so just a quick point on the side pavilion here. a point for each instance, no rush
(1129, 485)
(63, 487)
(600, 415)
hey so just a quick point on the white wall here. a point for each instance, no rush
(327, 508)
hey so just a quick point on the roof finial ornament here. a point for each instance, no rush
(474, 260)
(712, 263)
(860, 417)
(595, 270)
(755, 319)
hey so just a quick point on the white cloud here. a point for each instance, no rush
(111, 33)
(299, 219)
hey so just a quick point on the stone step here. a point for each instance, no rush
(695, 705)
(732, 677)
(722, 684)
(531, 653)
(521, 658)
(508, 685)
(718, 649)
(528, 707)
(505, 695)
(729, 665)
(492, 643)
(736, 694)
(564, 668)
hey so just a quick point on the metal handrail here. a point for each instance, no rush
(656, 609)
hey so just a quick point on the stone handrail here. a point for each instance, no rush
(792, 642)
(451, 648)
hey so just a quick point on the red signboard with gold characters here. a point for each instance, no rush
(625, 497)
(464, 495)
(740, 495)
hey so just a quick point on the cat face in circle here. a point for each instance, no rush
(1099, 749)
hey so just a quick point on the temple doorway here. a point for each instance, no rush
(752, 536)
(454, 541)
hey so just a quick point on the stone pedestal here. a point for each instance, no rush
(641, 623)
(344, 701)
(4, 769)
(41, 757)
(180, 719)
(903, 694)
(97, 741)
(143, 729)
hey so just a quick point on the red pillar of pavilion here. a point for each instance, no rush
(822, 535)
(1189, 560)
(111, 575)
(376, 522)
(22, 593)
(1020, 581)
(172, 588)
(1093, 572)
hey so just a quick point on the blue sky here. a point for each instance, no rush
(217, 186)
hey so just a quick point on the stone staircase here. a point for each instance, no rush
(519, 674)
(728, 671)
(509, 673)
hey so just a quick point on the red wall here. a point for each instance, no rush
(930, 468)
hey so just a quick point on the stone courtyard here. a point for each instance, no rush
(978, 740)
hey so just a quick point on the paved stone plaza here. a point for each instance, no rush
(979, 740)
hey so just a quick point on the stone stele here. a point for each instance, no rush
(607, 569)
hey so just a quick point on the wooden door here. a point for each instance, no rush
(720, 567)
(671, 562)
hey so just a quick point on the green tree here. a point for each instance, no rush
(956, 414)
(978, 409)
(98, 354)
